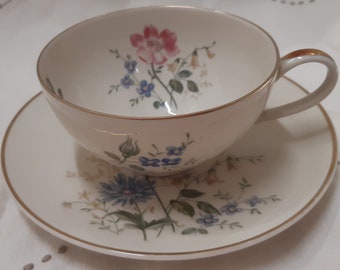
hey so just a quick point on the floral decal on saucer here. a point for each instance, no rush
(129, 153)
(159, 50)
(184, 205)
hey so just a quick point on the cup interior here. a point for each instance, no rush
(157, 61)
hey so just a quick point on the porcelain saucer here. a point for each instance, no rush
(265, 183)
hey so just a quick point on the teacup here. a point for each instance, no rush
(161, 90)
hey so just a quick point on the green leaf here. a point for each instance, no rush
(156, 148)
(274, 198)
(127, 216)
(208, 208)
(113, 156)
(244, 184)
(183, 207)
(189, 231)
(184, 74)
(150, 74)
(256, 211)
(235, 224)
(192, 86)
(176, 85)
(223, 223)
(156, 224)
(137, 168)
(130, 226)
(191, 193)
(202, 231)
(137, 220)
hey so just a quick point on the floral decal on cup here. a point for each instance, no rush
(154, 47)
(184, 204)
(129, 153)
(159, 50)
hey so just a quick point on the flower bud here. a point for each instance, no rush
(194, 60)
(173, 66)
(128, 149)
(210, 54)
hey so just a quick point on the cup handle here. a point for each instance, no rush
(292, 60)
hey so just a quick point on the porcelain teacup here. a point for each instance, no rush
(161, 90)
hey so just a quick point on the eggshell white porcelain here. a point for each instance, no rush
(160, 90)
(263, 185)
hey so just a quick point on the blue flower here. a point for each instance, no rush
(253, 200)
(127, 190)
(175, 151)
(126, 82)
(207, 220)
(130, 66)
(154, 162)
(231, 208)
(171, 162)
(145, 88)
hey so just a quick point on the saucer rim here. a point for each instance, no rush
(184, 255)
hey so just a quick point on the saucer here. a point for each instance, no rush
(261, 186)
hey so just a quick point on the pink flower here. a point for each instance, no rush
(155, 47)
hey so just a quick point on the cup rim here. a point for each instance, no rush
(169, 117)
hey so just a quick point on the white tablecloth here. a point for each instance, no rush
(27, 25)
